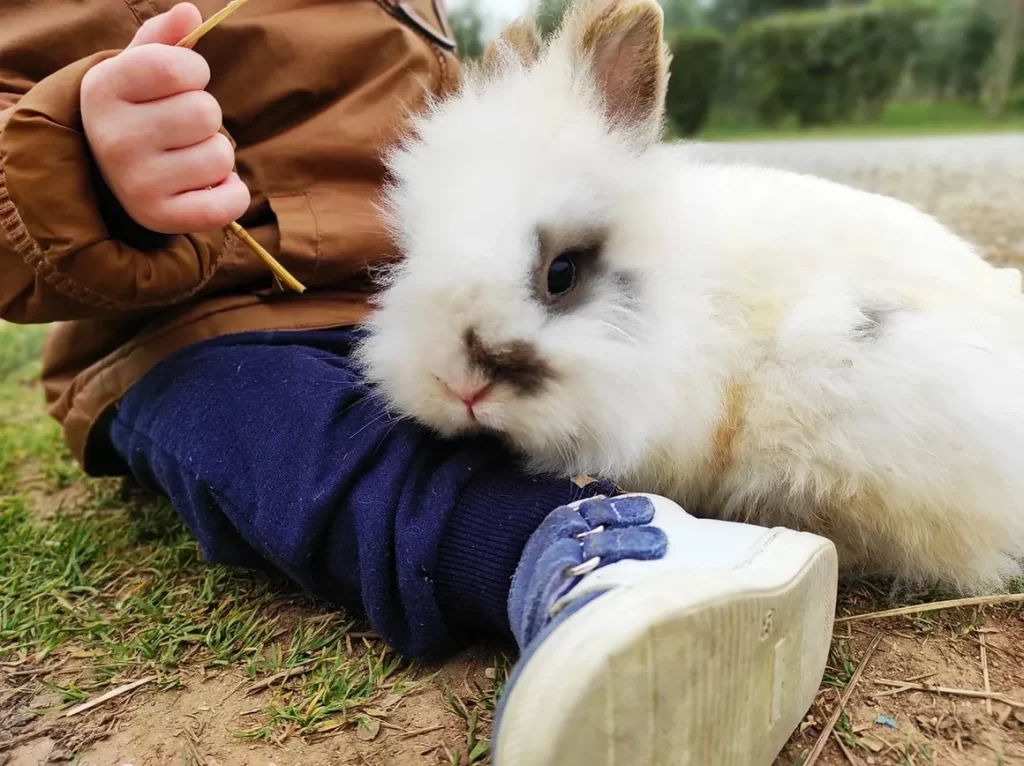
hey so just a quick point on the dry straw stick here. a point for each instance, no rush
(193, 37)
(904, 686)
(819, 746)
(849, 756)
(984, 671)
(1011, 598)
(298, 670)
(108, 696)
(279, 271)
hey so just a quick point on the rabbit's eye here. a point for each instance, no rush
(562, 274)
(566, 273)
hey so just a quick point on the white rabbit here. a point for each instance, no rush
(755, 344)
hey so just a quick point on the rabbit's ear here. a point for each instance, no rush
(621, 43)
(521, 40)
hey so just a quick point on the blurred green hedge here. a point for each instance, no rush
(958, 45)
(696, 63)
(823, 66)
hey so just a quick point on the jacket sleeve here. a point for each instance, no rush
(67, 248)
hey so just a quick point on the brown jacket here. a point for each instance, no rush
(311, 91)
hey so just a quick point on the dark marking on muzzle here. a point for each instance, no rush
(517, 364)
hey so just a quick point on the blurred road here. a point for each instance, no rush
(974, 184)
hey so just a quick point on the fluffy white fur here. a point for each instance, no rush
(747, 380)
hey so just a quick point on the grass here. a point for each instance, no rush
(477, 714)
(114, 577)
(899, 119)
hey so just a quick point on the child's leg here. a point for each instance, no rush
(644, 630)
(274, 452)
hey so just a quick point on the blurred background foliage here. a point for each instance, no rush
(857, 66)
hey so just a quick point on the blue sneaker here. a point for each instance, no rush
(652, 637)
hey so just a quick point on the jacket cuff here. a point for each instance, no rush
(60, 217)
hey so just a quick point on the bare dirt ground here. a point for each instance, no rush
(237, 671)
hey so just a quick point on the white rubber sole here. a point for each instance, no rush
(689, 668)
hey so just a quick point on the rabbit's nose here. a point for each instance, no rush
(472, 397)
(469, 395)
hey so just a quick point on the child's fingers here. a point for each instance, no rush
(204, 164)
(168, 28)
(154, 72)
(205, 209)
(146, 186)
(178, 121)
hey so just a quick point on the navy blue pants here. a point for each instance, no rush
(276, 454)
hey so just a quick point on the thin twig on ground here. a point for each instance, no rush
(418, 732)
(904, 686)
(298, 670)
(112, 694)
(9, 744)
(43, 671)
(935, 606)
(854, 760)
(819, 746)
(890, 692)
(984, 672)
(448, 752)
(64, 603)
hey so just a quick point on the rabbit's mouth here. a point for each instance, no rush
(472, 395)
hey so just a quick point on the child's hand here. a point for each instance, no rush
(153, 131)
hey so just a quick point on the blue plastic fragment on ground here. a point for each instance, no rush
(886, 720)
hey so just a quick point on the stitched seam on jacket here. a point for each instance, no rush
(318, 234)
(441, 85)
(135, 11)
(28, 249)
(26, 246)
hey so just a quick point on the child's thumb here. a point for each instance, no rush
(168, 28)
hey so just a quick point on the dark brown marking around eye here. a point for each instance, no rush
(517, 363)
(584, 244)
